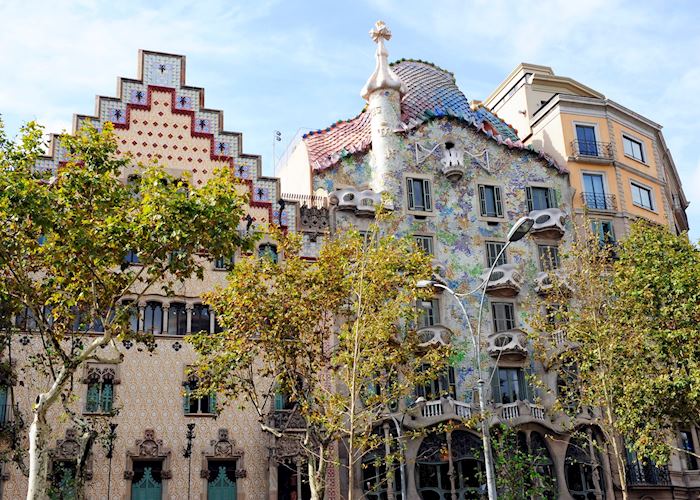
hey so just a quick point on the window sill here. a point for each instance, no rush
(96, 413)
(487, 218)
(420, 213)
(645, 208)
(637, 160)
(202, 415)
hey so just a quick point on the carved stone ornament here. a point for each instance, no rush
(68, 450)
(314, 220)
(97, 373)
(287, 447)
(223, 447)
(148, 448)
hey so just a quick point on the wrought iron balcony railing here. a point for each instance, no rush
(647, 475)
(597, 201)
(592, 149)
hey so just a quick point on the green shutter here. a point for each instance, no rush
(93, 397)
(428, 200)
(107, 397)
(495, 385)
(499, 205)
(212, 403)
(221, 487)
(482, 200)
(279, 401)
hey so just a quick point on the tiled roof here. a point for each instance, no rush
(432, 92)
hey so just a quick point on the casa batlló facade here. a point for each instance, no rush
(457, 177)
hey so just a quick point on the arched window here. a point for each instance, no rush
(582, 466)
(200, 318)
(375, 481)
(100, 394)
(269, 251)
(177, 319)
(133, 315)
(153, 318)
(433, 465)
(443, 386)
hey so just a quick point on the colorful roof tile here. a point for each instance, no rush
(431, 93)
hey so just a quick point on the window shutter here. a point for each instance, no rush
(528, 192)
(279, 401)
(495, 386)
(552, 195)
(93, 397)
(523, 385)
(497, 196)
(482, 200)
(107, 397)
(427, 194)
(212, 403)
(409, 187)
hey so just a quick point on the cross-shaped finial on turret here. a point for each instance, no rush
(380, 31)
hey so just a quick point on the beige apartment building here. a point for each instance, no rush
(619, 165)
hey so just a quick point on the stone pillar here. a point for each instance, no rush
(212, 321)
(166, 317)
(142, 316)
(188, 308)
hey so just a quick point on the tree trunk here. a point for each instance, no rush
(39, 431)
(317, 475)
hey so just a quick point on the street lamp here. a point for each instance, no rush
(187, 453)
(419, 402)
(517, 232)
(111, 437)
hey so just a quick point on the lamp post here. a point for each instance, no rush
(187, 453)
(419, 402)
(517, 232)
(111, 437)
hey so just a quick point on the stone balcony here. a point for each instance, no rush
(544, 283)
(286, 420)
(508, 345)
(363, 203)
(549, 223)
(521, 411)
(434, 335)
(505, 281)
(445, 409)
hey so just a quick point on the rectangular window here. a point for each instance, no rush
(509, 385)
(493, 248)
(193, 405)
(425, 243)
(633, 148)
(490, 201)
(420, 196)
(223, 263)
(642, 196)
(603, 229)
(503, 316)
(5, 405)
(549, 257)
(430, 313)
(594, 192)
(687, 445)
(585, 138)
(443, 385)
(540, 198)
(100, 396)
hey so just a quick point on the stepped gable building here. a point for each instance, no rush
(621, 167)
(157, 116)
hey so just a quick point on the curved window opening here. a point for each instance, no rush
(268, 251)
(582, 467)
(433, 466)
(377, 480)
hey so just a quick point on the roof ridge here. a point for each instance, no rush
(428, 63)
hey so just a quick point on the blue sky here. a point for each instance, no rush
(290, 66)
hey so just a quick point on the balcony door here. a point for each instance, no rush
(587, 145)
(594, 191)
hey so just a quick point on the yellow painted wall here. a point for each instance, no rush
(649, 165)
(576, 175)
(659, 213)
(568, 127)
